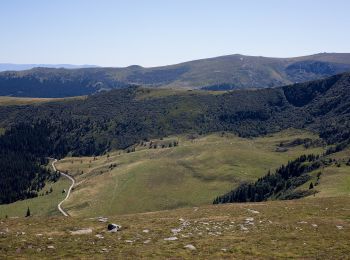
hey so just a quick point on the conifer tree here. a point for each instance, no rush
(28, 212)
(311, 186)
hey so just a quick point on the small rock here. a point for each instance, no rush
(129, 241)
(243, 228)
(314, 225)
(253, 211)
(170, 238)
(102, 219)
(83, 231)
(190, 247)
(113, 227)
(223, 249)
(145, 231)
(50, 247)
(99, 236)
(176, 230)
(339, 227)
(147, 241)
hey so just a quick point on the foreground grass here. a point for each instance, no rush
(190, 174)
(306, 229)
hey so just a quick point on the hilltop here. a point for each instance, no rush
(220, 73)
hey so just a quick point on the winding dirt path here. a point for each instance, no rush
(69, 190)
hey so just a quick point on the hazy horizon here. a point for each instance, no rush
(73, 65)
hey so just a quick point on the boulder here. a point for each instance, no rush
(113, 227)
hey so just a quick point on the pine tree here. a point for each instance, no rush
(28, 212)
(311, 186)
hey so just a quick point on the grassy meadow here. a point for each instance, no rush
(40, 206)
(302, 229)
(190, 174)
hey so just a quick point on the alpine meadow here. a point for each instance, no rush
(234, 156)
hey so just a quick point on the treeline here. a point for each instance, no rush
(280, 185)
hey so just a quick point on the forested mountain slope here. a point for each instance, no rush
(121, 118)
(220, 73)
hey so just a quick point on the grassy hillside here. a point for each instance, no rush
(220, 73)
(17, 101)
(335, 180)
(40, 206)
(302, 229)
(189, 174)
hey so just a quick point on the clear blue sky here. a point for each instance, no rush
(160, 32)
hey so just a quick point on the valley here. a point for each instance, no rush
(192, 173)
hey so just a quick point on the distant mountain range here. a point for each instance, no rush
(19, 67)
(220, 73)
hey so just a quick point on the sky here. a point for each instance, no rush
(161, 32)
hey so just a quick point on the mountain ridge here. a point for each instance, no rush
(219, 73)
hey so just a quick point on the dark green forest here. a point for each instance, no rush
(22, 152)
(120, 118)
(280, 185)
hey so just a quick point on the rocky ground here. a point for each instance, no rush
(308, 228)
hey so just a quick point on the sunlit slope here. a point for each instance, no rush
(334, 180)
(19, 101)
(301, 229)
(45, 205)
(192, 173)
